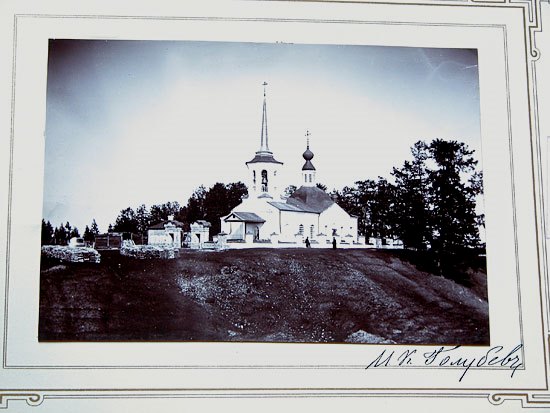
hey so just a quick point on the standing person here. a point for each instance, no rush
(308, 244)
(333, 243)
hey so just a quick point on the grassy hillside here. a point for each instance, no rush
(297, 295)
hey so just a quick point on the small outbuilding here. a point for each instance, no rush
(200, 233)
(168, 232)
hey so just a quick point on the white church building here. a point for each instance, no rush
(267, 218)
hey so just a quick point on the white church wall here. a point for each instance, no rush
(266, 211)
(335, 218)
(234, 230)
(291, 222)
(260, 207)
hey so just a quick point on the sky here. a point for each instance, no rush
(147, 122)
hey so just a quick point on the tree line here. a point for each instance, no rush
(64, 232)
(208, 204)
(429, 203)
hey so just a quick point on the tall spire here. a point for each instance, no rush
(264, 154)
(264, 147)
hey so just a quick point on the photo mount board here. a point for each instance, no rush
(505, 35)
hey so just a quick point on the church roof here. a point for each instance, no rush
(310, 199)
(305, 199)
(308, 166)
(245, 217)
(283, 206)
(264, 157)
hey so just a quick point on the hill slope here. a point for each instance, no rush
(299, 295)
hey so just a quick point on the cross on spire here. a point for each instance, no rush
(307, 138)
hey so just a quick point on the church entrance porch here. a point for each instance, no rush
(243, 227)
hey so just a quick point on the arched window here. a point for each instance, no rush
(311, 231)
(254, 177)
(264, 181)
(301, 229)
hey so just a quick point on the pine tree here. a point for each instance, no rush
(60, 235)
(453, 200)
(88, 236)
(126, 221)
(74, 233)
(94, 229)
(143, 219)
(47, 233)
(412, 209)
(195, 205)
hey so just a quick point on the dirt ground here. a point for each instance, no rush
(292, 295)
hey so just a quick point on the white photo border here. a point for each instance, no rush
(533, 392)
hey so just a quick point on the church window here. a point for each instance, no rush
(311, 230)
(309, 177)
(305, 177)
(301, 229)
(254, 177)
(264, 181)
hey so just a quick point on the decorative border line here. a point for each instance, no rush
(32, 399)
(532, 25)
(289, 20)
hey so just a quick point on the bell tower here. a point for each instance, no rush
(263, 168)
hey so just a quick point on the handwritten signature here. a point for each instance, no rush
(450, 357)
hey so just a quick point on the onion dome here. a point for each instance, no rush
(308, 156)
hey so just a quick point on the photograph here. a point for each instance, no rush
(224, 191)
(301, 205)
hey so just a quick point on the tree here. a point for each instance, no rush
(373, 203)
(143, 219)
(74, 233)
(195, 205)
(436, 204)
(289, 190)
(47, 233)
(321, 186)
(412, 210)
(94, 229)
(219, 200)
(236, 191)
(88, 235)
(351, 200)
(381, 209)
(126, 221)
(453, 199)
(68, 230)
(60, 235)
(160, 213)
